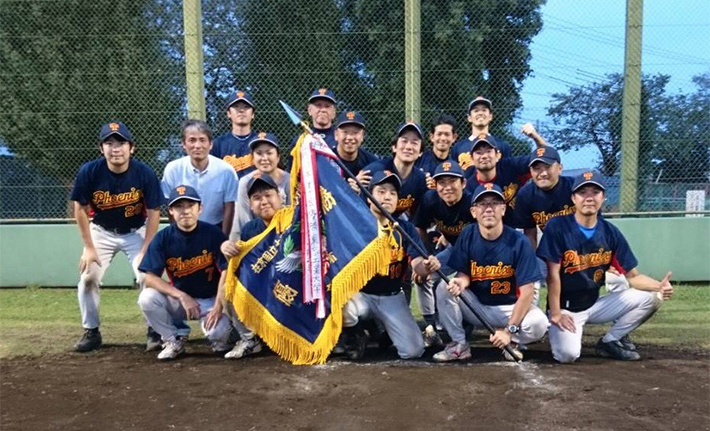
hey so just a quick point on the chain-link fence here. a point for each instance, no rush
(67, 66)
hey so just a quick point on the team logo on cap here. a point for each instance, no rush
(256, 175)
(240, 94)
(322, 91)
(387, 172)
(350, 115)
(181, 190)
(588, 175)
(488, 186)
(262, 135)
(540, 152)
(446, 166)
(114, 127)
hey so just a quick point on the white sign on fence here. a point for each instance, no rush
(694, 201)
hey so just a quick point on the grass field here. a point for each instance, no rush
(41, 321)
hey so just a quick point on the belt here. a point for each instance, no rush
(118, 230)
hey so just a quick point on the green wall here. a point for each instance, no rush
(48, 255)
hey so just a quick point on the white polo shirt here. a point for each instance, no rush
(216, 185)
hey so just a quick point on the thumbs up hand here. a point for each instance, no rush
(666, 289)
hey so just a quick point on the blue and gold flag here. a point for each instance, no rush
(301, 321)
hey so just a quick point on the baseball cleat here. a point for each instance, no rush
(615, 350)
(453, 352)
(172, 349)
(153, 341)
(244, 348)
(431, 337)
(516, 352)
(91, 340)
(627, 343)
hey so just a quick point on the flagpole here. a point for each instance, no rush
(296, 119)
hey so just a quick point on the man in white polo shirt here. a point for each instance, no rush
(213, 178)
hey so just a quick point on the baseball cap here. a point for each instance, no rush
(322, 93)
(385, 176)
(589, 177)
(547, 155)
(485, 189)
(350, 117)
(410, 125)
(183, 192)
(257, 178)
(448, 168)
(484, 139)
(243, 96)
(115, 128)
(480, 100)
(269, 138)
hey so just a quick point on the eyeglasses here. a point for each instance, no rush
(486, 205)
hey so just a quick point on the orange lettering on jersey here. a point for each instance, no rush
(404, 204)
(490, 272)
(509, 192)
(541, 217)
(180, 268)
(573, 262)
(449, 230)
(239, 163)
(104, 200)
(465, 160)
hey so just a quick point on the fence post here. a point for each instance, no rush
(412, 60)
(631, 106)
(194, 63)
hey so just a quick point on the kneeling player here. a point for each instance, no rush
(382, 298)
(189, 251)
(579, 248)
(496, 270)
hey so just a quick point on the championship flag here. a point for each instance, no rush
(290, 283)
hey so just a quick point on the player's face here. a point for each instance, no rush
(408, 147)
(450, 188)
(240, 114)
(489, 211)
(387, 196)
(443, 137)
(484, 157)
(588, 199)
(322, 112)
(266, 158)
(196, 144)
(545, 176)
(265, 203)
(185, 213)
(349, 138)
(116, 151)
(480, 116)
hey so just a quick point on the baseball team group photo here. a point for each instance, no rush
(274, 215)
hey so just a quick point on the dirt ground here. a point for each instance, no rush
(123, 387)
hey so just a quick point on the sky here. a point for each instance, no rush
(583, 40)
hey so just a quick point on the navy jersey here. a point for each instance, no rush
(496, 268)
(511, 174)
(413, 187)
(252, 229)
(461, 151)
(363, 159)
(401, 251)
(192, 260)
(584, 262)
(235, 151)
(118, 201)
(428, 161)
(535, 206)
(328, 136)
(449, 220)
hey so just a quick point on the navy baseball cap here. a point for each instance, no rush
(480, 100)
(385, 176)
(589, 177)
(486, 189)
(268, 138)
(547, 155)
(183, 192)
(410, 125)
(448, 168)
(350, 117)
(322, 93)
(257, 178)
(115, 128)
(241, 96)
(484, 139)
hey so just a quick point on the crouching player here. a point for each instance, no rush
(496, 270)
(382, 298)
(189, 251)
(579, 249)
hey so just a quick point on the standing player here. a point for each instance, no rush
(123, 195)
(382, 298)
(349, 134)
(579, 248)
(496, 271)
(480, 115)
(213, 178)
(232, 147)
(188, 250)
(321, 109)
(442, 137)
